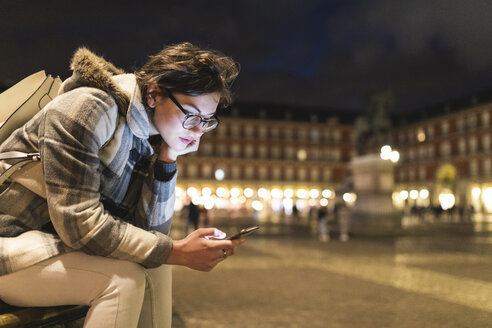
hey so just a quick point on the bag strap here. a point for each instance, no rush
(26, 159)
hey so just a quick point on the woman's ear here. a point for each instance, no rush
(150, 96)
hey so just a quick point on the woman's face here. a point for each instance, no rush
(168, 118)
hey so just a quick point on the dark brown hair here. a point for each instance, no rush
(188, 69)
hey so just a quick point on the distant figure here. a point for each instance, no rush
(193, 217)
(342, 215)
(324, 234)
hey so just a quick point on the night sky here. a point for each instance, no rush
(323, 53)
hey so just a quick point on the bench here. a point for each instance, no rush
(11, 316)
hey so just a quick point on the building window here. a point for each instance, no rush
(430, 151)
(262, 151)
(222, 150)
(249, 151)
(206, 171)
(276, 152)
(275, 131)
(487, 167)
(235, 130)
(222, 130)
(302, 174)
(462, 146)
(277, 173)
(337, 154)
(422, 175)
(473, 145)
(314, 135)
(290, 153)
(249, 131)
(430, 131)
(314, 174)
(192, 171)
(250, 172)
(236, 172)
(411, 174)
(472, 122)
(422, 151)
(460, 124)
(326, 174)
(289, 173)
(486, 142)
(206, 149)
(262, 132)
(337, 135)
(302, 134)
(486, 118)
(473, 168)
(445, 128)
(263, 173)
(288, 133)
(445, 149)
(236, 150)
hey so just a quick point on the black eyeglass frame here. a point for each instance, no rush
(187, 114)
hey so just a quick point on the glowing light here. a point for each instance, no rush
(414, 194)
(476, 192)
(487, 198)
(219, 174)
(385, 152)
(446, 199)
(248, 192)
(394, 156)
(302, 193)
(289, 193)
(349, 197)
(314, 193)
(288, 205)
(257, 205)
(277, 193)
(327, 193)
(178, 191)
(208, 202)
(323, 202)
(235, 192)
(424, 193)
(192, 192)
(206, 191)
(302, 155)
(221, 192)
(404, 194)
(312, 202)
(263, 193)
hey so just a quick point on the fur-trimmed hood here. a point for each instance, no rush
(90, 70)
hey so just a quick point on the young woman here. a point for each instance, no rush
(89, 223)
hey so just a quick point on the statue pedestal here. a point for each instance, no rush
(373, 212)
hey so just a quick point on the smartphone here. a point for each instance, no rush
(244, 232)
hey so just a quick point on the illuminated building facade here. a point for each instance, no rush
(447, 158)
(273, 159)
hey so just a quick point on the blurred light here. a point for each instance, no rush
(302, 155)
(242, 199)
(404, 194)
(257, 205)
(196, 200)
(312, 202)
(263, 193)
(277, 193)
(221, 192)
(446, 199)
(288, 205)
(276, 205)
(192, 192)
(323, 202)
(476, 192)
(206, 191)
(414, 194)
(248, 192)
(219, 174)
(394, 156)
(314, 193)
(208, 202)
(326, 193)
(487, 198)
(178, 191)
(235, 192)
(302, 193)
(349, 197)
(289, 193)
(385, 152)
(424, 193)
(421, 135)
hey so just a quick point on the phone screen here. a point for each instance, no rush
(244, 232)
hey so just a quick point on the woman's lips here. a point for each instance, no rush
(186, 140)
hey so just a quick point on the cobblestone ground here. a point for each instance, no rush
(293, 280)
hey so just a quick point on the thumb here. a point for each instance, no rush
(211, 232)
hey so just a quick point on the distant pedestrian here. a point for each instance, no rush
(323, 231)
(193, 217)
(342, 215)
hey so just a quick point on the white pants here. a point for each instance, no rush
(119, 293)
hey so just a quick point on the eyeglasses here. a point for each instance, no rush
(192, 120)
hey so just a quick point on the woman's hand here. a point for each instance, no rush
(198, 253)
(169, 155)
